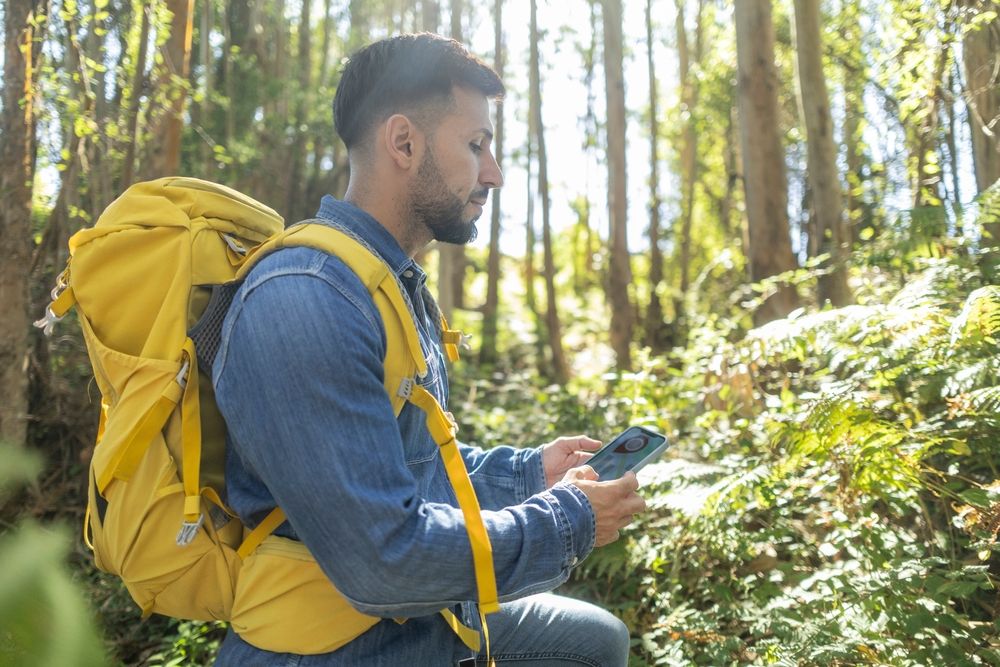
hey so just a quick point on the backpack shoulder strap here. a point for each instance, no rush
(373, 272)
(379, 279)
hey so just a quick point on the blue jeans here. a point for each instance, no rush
(542, 630)
(549, 630)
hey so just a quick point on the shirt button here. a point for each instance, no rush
(573, 562)
(407, 274)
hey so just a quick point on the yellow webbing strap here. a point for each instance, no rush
(191, 438)
(62, 303)
(130, 454)
(390, 288)
(451, 339)
(263, 529)
(468, 636)
(482, 552)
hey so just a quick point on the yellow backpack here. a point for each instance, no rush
(142, 281)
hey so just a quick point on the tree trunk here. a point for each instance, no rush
(770, 249)
(296, 206)
(560, 369)
(621, 270)
(591, 138)
(854, 74)
(488, 349)
(321, 138)
(531, 301)
(926, 175)
(689, 163)
(430, 16)
(980, 55)
(22, 37)
(654, 313)
(451, 257)
(207, 86)
(172, 80)
(138, 83)
(824, 180)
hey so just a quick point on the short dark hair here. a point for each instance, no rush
(401, 74)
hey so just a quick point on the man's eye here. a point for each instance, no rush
(476, 148)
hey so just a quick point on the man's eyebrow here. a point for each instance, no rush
(486, 131)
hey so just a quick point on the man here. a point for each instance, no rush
(299, 379)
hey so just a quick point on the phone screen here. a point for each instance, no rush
(629, 451)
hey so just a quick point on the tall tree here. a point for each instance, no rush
(530, 298)
(981, 57)
(488, 349)
(770, 251)
(560, 369)
(135, 98)
(854, 74)
(689, 159)
(654, 313)
(207, 70)
(295, 206)
(24, 23)
(171, 75)
(620, 267)
(826, 200)
(451, 257)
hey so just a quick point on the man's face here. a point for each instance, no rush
(457, 170)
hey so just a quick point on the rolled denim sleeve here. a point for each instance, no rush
(504, 476)
(300, 383)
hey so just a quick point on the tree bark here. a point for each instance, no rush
(138, 83)
(689, 162)
(980, 55)
(770, 249)
(654, 313)
(171, 78)
(531, 301)
(295, 205)
(430, 16)
(824, 180)
(560, 369)
(621, 271)
(207, 87)
(451, 257)
(24, 22)
(854, 74)
(488, 349)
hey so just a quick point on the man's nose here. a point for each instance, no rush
(490, 175)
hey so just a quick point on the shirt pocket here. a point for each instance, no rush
(419, 449)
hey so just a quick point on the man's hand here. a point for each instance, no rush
(615, 503)
(564, 453)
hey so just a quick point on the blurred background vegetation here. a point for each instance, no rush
(766, 228)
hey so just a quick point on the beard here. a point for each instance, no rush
(439, 210)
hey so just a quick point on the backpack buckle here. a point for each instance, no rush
(47, 323)
(405, 388)
(182, 373)
(189, 530)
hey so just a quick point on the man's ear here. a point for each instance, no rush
(402, 141)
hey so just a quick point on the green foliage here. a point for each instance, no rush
(44, 619)
(832, 497)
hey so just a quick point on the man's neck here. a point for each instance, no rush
(389, 208)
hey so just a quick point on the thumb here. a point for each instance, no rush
(580, 473)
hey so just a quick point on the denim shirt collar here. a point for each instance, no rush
(368, 229)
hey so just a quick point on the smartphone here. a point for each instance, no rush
(631, 450)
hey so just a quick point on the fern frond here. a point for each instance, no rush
(935, 287)
(985, 401)
(988, 206)
(979, 317)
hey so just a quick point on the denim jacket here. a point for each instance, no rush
(299, 380)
